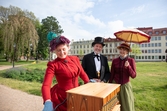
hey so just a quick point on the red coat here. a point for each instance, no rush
(66, 72)
(119, 73)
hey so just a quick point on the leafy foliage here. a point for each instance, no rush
(32, 75)
(49, 24)
(17, 30)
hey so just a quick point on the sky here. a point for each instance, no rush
(87, 19)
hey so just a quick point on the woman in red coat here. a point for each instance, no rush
(67, 70)
(122, 69)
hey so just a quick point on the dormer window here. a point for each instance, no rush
(150, 33)
(157, 32)
(164, 32)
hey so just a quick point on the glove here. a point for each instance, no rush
(92, 80)
(48, 106)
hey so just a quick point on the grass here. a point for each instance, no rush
(149, 87)
(3, 62)
(29, 87)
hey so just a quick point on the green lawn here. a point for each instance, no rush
(149, 87)
(3, 62)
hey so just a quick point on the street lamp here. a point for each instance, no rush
(166, 54)
(14, 54)
(36, 56)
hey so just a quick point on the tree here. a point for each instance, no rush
(136, 50)
(18, 32)
(48, 24)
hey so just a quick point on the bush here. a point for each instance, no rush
(22, 74)
(14, 73)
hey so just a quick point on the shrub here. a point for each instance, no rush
(22, 74)
(14, 72)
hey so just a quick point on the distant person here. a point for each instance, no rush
(95, 64)
(122, 69)
(66, 69)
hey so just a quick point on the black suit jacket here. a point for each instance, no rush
(88, 65)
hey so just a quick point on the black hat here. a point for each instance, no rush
(98, 40)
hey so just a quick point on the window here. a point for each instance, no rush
(152, 50)
(110, 50)
(149, 57)
(115, 50)
(156, 51)
(164, 32)
(142, 57)
(152, 38)
(149, 45)
(166, 37)
(115, 44)
(106, 50)
(155, 44)
(157, 32)
(159, 50)
(155, 38)
(159, 38)
(159, 57)
(159, 44)
(139, 57)
(145, 45)
(150, 33)
(142, 45)
(145, 51)
(163, 57)
(152, 44)
(149, 51)
(152, 57)
(145, 57)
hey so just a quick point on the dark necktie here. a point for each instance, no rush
(97, 56)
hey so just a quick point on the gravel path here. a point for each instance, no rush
(15, 100)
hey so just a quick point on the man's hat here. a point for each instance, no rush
(125, 45)
(98, 40)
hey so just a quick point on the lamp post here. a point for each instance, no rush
(166, 54)
(36, 56)
(14, 46)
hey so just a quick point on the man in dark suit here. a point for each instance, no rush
(95, 64)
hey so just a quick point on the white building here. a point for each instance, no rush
(152, 51)
(155, 49)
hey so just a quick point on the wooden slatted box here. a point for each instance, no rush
(93, 97)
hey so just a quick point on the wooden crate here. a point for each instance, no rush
(93, 97)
